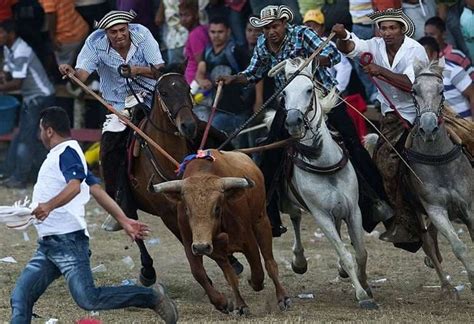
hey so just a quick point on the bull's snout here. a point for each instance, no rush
(202, 248)
(294, 123)
(428, 126)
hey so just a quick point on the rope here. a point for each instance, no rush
(277, 92)
(365, 59)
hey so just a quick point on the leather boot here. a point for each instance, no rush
(397, 233)
(381, 211)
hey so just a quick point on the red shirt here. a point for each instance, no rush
(6, 9)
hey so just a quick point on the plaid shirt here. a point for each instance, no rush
(300, 42)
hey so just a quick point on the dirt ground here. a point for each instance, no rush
(402, 285)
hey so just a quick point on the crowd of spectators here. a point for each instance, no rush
(198, 37)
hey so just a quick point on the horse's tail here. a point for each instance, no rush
(329, 101)
(370, 140)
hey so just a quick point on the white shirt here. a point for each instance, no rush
(70, 217)
(402, 64)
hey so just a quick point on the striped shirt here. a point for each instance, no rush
(301, 41)
(22, 63)
(459, 58)
(98, 55)
(359, 10)
(70, 26)
(456, 81)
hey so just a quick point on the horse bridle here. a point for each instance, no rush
(419, 111)
(156, 92)
(309, 108)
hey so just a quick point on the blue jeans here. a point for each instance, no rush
(68, 255)
(364, 32)
(26, 149)
(228, 123)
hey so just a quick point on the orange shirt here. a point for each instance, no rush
(6, 9)
(70, 26)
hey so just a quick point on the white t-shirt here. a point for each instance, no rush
(456, 81)
(402, 64)
(53, 176)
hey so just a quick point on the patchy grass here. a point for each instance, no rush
(402, 298)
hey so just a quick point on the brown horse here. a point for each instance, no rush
(172, 124)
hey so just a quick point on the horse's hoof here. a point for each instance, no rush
(299, 270)
(428, 262)
(369, 292)
(450, 293)
(284, 304)
(342, 273)
(228, 308)
(368, 304)
(243, 311)
(148, 279)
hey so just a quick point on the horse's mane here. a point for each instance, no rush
(291, 65)
(435, 67)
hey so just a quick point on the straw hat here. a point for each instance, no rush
(271, 13)
(394, 15)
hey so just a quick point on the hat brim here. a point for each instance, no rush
(399, 16)
(284, 12)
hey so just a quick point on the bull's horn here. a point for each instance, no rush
(236, 183)
(169, 186)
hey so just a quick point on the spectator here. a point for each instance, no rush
(60, 194)
(92, 10)
(363, 28)
(237, 17)
(419, 12)
(197, 39)
(222, 57)
(6, 12)
(458, 86)
(144, 9)
(436, 28)
(459, 24)
(67, 29)
(23, 72)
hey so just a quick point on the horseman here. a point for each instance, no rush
(116, 49)
(280, 41)
(393, 56)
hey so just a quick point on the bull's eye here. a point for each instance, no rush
(217, 210)
(186, 210)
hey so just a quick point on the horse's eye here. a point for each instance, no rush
(413, 92)
(164, 93)
(309, 91)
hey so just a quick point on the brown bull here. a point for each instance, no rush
(222, 211)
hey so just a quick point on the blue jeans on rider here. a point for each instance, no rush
(228, 123)
(26, 149)
(68, 255)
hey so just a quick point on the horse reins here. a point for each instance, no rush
(123, 119)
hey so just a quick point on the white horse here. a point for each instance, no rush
(447, 190)
(322, 181)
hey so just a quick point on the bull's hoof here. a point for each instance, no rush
(243, 310)
(228, 308)
(299, 269)
(368, 304)
(284, 304)
(147, 277)
(236, 265)
(428, 262)
(256, 286)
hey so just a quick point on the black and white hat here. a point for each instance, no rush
(270, 14)
(115, 17)
(394, 15)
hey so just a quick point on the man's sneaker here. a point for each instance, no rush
(111, 225)
(165, 307)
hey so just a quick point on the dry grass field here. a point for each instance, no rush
(407, 294)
